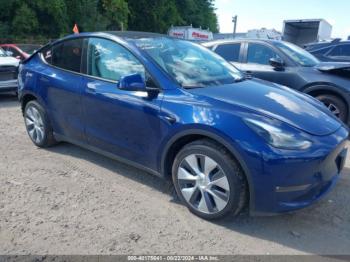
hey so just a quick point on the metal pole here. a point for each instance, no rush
(234, 21)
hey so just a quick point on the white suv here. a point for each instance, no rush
(8, 72)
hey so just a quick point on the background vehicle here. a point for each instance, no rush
(287, 64)
(304, 31)
(337, 51)
(176, 109)
(20, 51)
(8, 72)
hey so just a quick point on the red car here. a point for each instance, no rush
(20, 51)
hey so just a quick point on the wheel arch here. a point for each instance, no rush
(25, 98)
(176, 143)
(323, 88)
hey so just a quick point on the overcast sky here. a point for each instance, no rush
(255, 14)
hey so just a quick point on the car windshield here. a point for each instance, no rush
(191, 65)
(2, 52)
(298, 54)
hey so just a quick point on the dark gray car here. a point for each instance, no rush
(289, 65)
(334, 51)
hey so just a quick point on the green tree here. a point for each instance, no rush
(52, 17)
(25, 21)
(198, 13)
(154, 16)
(56, 18)
(116, 11)
(85, 13)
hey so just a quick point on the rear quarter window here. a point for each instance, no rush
(47, 55)
(65, 55)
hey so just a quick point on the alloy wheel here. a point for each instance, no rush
(203, 183)
(333, 108)
(34, 124)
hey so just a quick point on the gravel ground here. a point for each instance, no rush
(67, 200)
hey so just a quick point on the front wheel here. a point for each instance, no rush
(336, 105)
(208, 180)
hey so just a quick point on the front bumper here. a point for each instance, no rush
(8, 85)
(294, 180)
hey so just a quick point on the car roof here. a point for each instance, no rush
(123, 35)
(230, 41)
(134, 34)
(328, 43)
(8, 45)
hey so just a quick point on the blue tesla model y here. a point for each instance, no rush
(178, 110)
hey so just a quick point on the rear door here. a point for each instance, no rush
(231, 52)
(60, 84)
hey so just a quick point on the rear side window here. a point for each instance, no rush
(65, 55)
(109, 60)
(321, 51)
(260, 54)
(229, 52)
(340, 50)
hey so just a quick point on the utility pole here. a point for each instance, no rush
(234, 21)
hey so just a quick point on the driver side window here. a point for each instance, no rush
(108, 60)
(260, 54)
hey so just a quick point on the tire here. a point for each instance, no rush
(336, 105)
(207, 193)
(38, 125)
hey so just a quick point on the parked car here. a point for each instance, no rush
(178, 110)
(8, 72)
(287, 64)
(20, 51)
(334, 51)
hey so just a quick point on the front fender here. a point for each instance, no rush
(215, 135)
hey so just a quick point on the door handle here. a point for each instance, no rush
(43, 79)
(91, 88)
(169, 118)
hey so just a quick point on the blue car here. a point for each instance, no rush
(178, 110)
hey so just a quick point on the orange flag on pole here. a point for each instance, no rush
(76, 29)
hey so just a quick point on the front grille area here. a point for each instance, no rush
(8, 73)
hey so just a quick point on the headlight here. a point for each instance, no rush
(276, 136)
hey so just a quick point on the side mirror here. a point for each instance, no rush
(277, 63)
(134, 82)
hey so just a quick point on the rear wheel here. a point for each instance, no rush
(37, 125)
(336, 105)
(208, 180)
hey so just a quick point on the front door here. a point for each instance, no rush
(257, 64)
(124, 123)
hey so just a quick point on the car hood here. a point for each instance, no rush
(284, 104)
(8, 61)
(340, 68)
